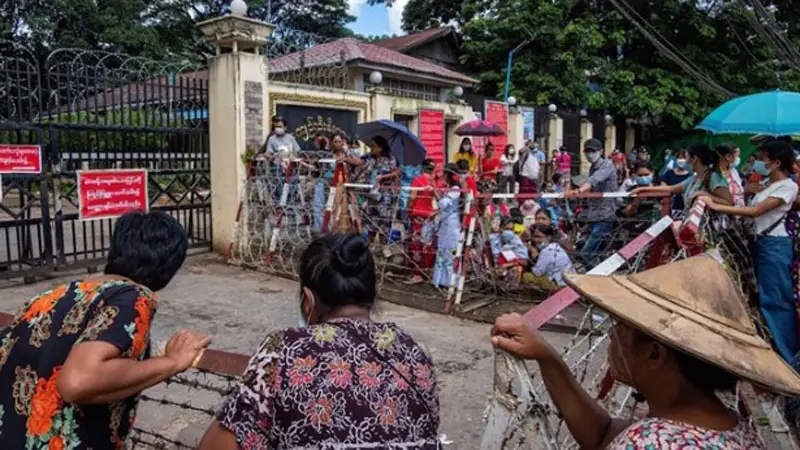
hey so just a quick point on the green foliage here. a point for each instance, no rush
(587, 54)
(115, 130)
(151, 28)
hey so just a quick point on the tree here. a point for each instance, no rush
(588, 54)
(152, 28)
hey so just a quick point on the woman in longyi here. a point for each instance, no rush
(682, 334)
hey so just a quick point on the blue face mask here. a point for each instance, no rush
(760, 167)
(644, 181)
(683, 164)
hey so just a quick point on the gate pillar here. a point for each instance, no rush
(611, 136)
(237, 90)
(587, 131)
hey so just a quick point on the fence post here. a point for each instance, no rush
(237, 106)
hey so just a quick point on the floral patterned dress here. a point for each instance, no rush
(664, 434)
(346, 384)
(33, 416)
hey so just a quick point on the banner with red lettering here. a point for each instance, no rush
(497, 112)
(20, 159)
(431, 133)
(107, 194)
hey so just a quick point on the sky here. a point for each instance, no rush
(377, 20)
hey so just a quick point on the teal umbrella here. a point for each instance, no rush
(772, 113)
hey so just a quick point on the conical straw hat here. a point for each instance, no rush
(694, 306)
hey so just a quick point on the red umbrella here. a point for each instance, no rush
(480, 128)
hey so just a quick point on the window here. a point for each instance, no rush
(403, 119)
(407, 89)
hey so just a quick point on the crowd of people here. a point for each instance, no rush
(76, 358)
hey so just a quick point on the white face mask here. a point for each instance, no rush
(279, 131)
(592, 157)
(737, 161)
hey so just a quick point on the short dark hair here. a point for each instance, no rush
(781, 151)
(340, 270)
(148, 248)
(463, 165)
(381, 142)
(428, 165)
(642, 165)
(277, 118)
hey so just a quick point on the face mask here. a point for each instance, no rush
(279, 131)
(683, 164)
(592, 157)
(644, 181)
(737, 161)
(760, 167)
(466, 148)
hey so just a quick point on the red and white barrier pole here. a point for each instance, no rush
(455, 275)
(689, 233)
(550, 308)
(273, 242)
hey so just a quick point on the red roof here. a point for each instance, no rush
(405, 43)
(353, 50)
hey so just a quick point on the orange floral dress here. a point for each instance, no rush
(33, 349)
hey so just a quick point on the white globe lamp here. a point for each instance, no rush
(552, 108)
(458, 91)
(584, 113)
(608, 118)
(238, 8)
(376, 77)
(512, 101)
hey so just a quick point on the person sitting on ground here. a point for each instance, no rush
(338, 381)
(76, 357)
(528, 210)
(551, 260)
(517, 220)
(707, 180)
(681, 334)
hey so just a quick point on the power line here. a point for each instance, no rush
(663, 45)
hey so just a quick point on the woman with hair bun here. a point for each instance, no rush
(339, 380)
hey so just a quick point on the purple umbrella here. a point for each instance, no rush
(480, 128)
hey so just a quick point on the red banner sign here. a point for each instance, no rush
(106, 194)
(497, 112)
(431, 133)
(20, 159)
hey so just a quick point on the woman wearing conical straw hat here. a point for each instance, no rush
(681, 334)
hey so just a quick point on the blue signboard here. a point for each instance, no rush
(528, 129)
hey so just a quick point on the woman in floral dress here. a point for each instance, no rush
(683, 334)
(73, 362)
(340, 381)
